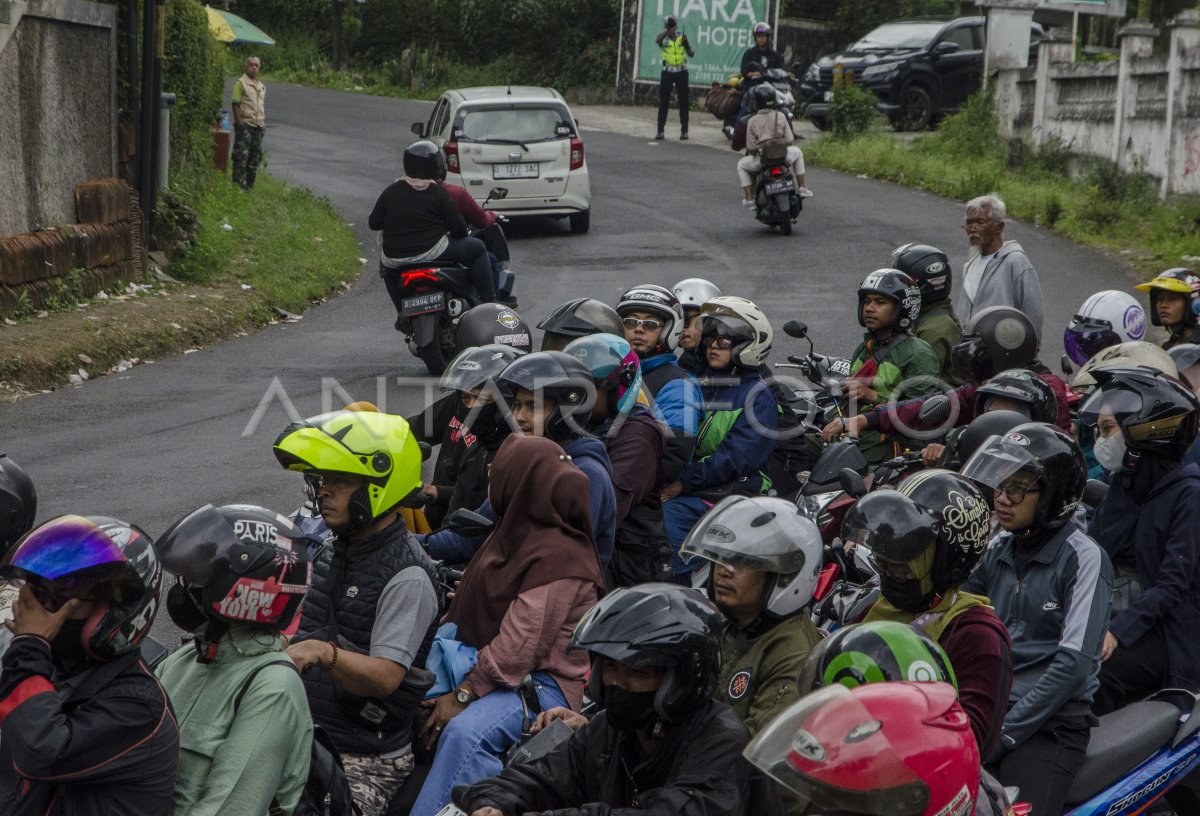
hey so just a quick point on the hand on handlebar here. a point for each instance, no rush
(850, 425)
(932, 455)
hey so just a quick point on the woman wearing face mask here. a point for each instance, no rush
(1145, 423)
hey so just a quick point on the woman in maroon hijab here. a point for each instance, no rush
(519, 600)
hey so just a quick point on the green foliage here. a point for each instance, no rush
(973, 130)
(851, 110)
(193, 70)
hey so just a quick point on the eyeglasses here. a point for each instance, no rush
(1016, 492)
(722, 343)
(649, 324)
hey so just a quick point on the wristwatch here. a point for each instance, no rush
(463, 695)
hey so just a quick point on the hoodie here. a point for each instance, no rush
(1009, 279)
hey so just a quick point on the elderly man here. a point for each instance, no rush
(249, 119)
(998, 272)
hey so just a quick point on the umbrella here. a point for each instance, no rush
(229, 28)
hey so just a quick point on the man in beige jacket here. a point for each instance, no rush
(765, 127)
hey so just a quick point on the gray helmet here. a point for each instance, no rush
(492, 323)
(577, 318)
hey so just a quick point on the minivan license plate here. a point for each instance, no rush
(423, 304)
(513, 171)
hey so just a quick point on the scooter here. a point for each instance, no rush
(823, 390)
(777, 201)
(1138, 755)
(435, 295)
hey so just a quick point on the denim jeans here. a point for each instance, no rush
(471, 747)
(679, 517)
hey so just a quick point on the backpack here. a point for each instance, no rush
(327, 791)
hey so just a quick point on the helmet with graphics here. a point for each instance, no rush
(876, 652)
(1178, 281)
(236, 564)
(898, 287)
(615, 368)
(1105, 319)
(492, 324)
(378, 448)
(762, 534)
(928, 266)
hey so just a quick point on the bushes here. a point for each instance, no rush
(851, 110)
(192, 70)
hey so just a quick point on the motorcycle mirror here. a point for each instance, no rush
(1094, 492)
(794, 328)
(852, 482)
(1067, 364)
(935, 409)
(418, 128)
(468, 523)
(498, 193)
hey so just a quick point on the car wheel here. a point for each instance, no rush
(916, 109)
(581, 222)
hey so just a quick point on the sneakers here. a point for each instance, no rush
(660, 136)
(683, 136)
(805, 192)
(748, 203)
(728, 131)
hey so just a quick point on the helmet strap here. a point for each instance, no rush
(208, 640)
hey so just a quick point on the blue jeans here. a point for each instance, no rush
(471, 747)
(679, 517)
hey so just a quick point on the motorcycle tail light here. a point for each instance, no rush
(576, 153)
(777, 171)
(417, 275)
(451, 151)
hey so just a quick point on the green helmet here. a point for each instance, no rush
(380, 448)
(876, 652)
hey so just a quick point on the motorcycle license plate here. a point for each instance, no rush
(423, 304)
(515, 171)
(781, 186)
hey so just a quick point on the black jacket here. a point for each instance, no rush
(766, 59)
(697, 769)
(100, 742)
(413, 221)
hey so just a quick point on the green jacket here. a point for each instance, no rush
(759, 670)
(228, 766)
(940, 328)
(907, 361)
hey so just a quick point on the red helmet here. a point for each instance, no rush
(882, 749)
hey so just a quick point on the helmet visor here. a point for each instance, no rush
(999, 459)
(194, 544)
(69, 551)
(834, 754)
(1086, 337)
(1118, 402)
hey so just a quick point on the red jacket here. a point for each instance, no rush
(962, 400)
(980, 651)
(471, 212)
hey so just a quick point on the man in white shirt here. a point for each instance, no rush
(998, 272)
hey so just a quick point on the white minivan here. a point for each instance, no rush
(518, 137)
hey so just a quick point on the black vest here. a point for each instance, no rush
(355, 575)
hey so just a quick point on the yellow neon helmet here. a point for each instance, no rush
(1180, 281)
(380, 448)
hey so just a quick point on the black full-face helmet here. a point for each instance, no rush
(579, 317)
(994, 340)
(1031, 392)
(656, 624)
(424, 160)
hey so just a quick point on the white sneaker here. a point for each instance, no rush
(748, 203)
(806, 193)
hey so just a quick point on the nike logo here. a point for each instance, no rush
(1049, 606)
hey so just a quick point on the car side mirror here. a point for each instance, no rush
(419, 129)
(944, 48)
(498, 193)
(794, 328)
(852, 482)
(468, 523)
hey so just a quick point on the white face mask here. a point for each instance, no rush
(1110, 451)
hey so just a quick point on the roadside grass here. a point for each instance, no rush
(286, 249)
(1087, 200)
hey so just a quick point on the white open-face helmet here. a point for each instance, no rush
(695, 292)
(741, 319)
(661, 302)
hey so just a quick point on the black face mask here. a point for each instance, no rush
(66, 650)
(629, 710)
(182, 608)
(905, 594)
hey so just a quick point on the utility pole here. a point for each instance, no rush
(152, 53)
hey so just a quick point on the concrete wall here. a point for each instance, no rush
(58, 109)
(1141, 112)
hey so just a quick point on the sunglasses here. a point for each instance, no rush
(722, 343)
(649, 324)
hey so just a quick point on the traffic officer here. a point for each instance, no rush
(675, 53)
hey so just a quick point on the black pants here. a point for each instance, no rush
(1131, 673)
(1045, 765)
(471, 253)
(679, 81)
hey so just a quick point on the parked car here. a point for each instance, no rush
(920, 69)
(522, 137)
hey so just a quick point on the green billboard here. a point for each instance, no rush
(719, 31)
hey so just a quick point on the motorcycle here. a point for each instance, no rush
(777, 201)
(435, 294)
(820, 396)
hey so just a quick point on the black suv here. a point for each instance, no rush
(919, 69)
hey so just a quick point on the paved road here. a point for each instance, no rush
(159, 440)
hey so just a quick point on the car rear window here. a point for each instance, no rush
(514, 124)
(900, 35)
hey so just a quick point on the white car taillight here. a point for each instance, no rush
(451, 151)
(576, 153)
